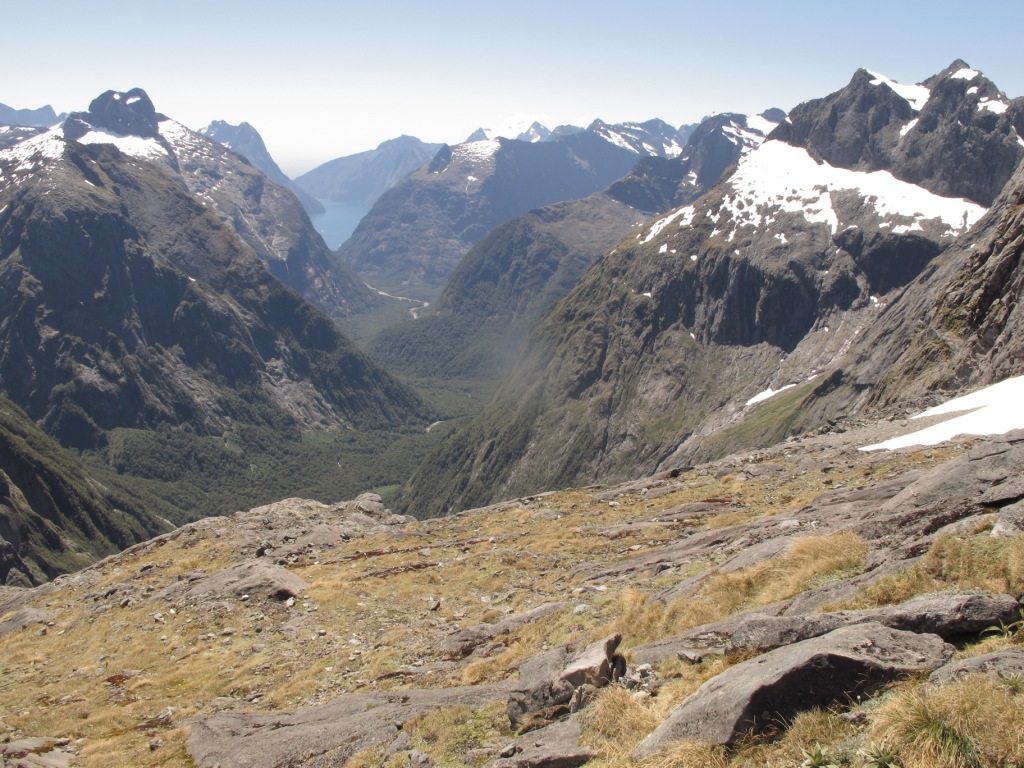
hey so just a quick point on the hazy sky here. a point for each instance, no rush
(324, 79)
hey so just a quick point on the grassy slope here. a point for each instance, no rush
(104, 676)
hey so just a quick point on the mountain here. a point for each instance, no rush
(419, 231)
(139, 327)
(522, 267)
(44, 117)
(665, 351)
(267, 217)
(361, 178)
(246, 141)
(54, 518)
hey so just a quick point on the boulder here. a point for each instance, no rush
(255, 578)
(596, 665)
(462, 642)
(778, 685)
(556, 746)
(1008, 663)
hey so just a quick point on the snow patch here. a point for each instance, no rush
(993, 410)
(993, 105)
(760, 396)
(760, 124)
(135, 146)
(908, 127)
(779, 177)
(916, 95)
(965, 74)
(685, 215)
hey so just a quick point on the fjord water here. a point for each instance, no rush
(338, 221)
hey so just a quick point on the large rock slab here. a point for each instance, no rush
(323, 735)
(256, 578)
(948, 615)
(556, 746)
(1008, 663)
(786, 681)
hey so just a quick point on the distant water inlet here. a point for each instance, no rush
(338, 221)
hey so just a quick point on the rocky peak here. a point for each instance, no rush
(129, 113)
(955, 134)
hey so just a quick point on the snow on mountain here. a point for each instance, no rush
(653, 137)
(915, 95)
(781, 178)
(142, 147)
(29, 158)
(519, 127)
(994, 410)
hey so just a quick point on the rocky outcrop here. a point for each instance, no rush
(950, 616)
(466, 640)
(554, 746)
(1008, 663)
(814, 673)
(549, 682)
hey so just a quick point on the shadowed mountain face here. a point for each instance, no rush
(766, 281)
(54, 518)
(268, 218)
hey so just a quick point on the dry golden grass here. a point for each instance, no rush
(971, 723)
(56, 684)
(451, 735)
(978, 562)
(809, 562)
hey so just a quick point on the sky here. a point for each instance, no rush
(321, 79)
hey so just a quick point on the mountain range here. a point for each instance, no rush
(419, 231)
(507, 280)
(768, 281)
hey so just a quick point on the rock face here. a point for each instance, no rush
(246, 141)
(768, 280)
(777, 685)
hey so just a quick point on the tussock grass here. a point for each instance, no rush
(974, 722)
(449, 736)
(975, 563)
(809, 562)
